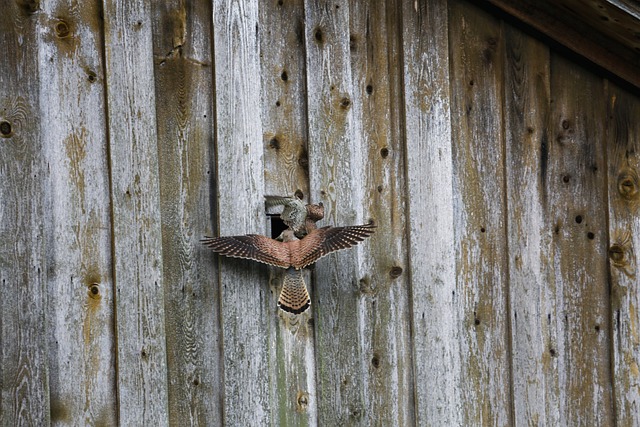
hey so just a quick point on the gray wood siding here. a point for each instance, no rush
(500, 287)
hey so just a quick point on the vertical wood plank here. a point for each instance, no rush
(292, 353)
(284, 109)
(623, 145)
(579, 342)
(135, 198)
(78, 223)
(240, 163)
(477, 69)
(335, 170)
(435, 322)
(24, 383)
(184, 98)
(530, 231)
(384, 311)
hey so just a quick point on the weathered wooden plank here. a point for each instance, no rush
(623, 145)
(184, 99)
(429, 170)
(78, 222)
(477, 75)
(24, 383)
(292, 354)
(335, 170)
(284, 110)
(561, 21)
(578, 322)
(536, 393)
(244, 294)
(384, 310)
(135, 198)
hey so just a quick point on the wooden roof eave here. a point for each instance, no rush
(606, 32)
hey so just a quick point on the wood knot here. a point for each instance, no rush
(94, 291)
(302, 401)
(274, 143)
(5, 129)
(61, 29)
(616, 254)
(395, 272)
(628, 184)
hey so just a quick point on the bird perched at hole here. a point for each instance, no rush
(291, 253)
(297, 215)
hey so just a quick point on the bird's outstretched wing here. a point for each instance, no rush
(252, 246)
(323, 241)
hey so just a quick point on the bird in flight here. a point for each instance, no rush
(298, 216)
(291, 253)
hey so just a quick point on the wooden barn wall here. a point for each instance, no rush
(500, 287)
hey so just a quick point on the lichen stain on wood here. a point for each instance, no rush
(59, 411)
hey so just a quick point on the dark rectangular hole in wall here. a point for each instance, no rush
(277, 226)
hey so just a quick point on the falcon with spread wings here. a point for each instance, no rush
(292, 254)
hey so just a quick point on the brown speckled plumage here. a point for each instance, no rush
(292, 254)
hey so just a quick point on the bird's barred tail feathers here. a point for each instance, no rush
(294, 297)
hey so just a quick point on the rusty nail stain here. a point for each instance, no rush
(5, 129)
(62, 29)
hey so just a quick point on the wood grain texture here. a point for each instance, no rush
(284, 117)
(135, 198)
(622, 145)
(579, 321)
(284, 109)
(429, 171)
(24, 381)
(184, 74)
(80, 316)
(477, 70)
(244, 295)
(384, 311)
(336, 169)
(530, 232)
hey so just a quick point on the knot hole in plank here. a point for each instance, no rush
(5, 129)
